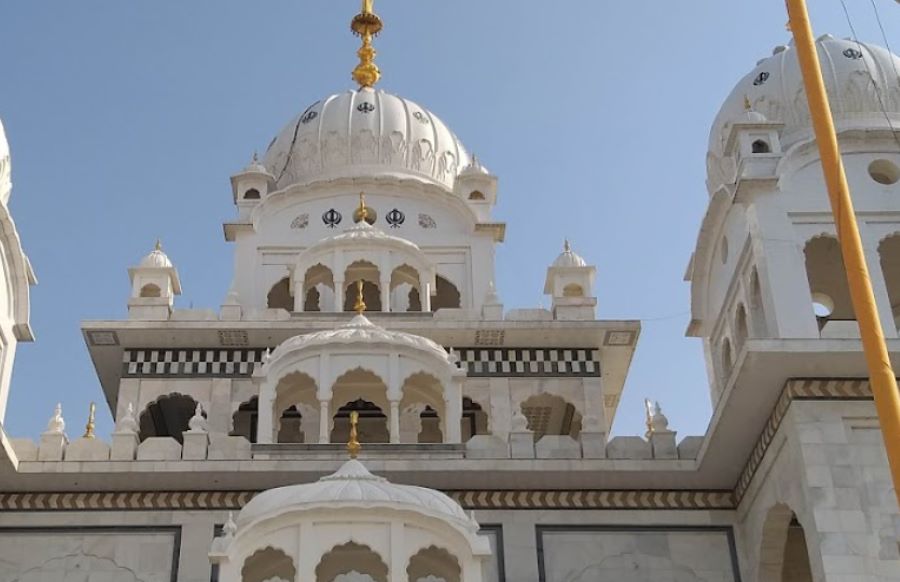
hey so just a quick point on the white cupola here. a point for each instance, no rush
(251, 185)
(478, 187)
(570, 284)
(154, 285)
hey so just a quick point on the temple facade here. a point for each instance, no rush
(363, 310)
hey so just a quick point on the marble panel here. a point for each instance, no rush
(108, 555)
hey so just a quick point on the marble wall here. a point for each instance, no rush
(599, 554)
(100, 555)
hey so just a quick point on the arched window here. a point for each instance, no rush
(476, 195)
(784, 556)
(268, 564)
(280, 297)
(889, 253)
(246, 419)
(474, 419)
(313, 300)
(433, 563)
(167, 416)
(573, 290)
(549, 414)
(342, 561)
(251, 194)
(447, 295)
(760, 146)
(151, 290)
(827, 282)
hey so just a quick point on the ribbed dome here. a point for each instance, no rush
(353, 486)
(365, 133)
(360, 330)
(569, 258)
(156, 259)
(858, 77)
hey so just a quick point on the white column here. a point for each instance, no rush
(265, 430)
(424, 293)
(324, 422)
(399, 557)
(394, 421)
(385, 295)
(338, 304)
(299, 296)
(453, 405)
(880, 291)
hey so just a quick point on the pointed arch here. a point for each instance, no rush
(268, 563)
(279, 296)
(167, 416)
(349, 557)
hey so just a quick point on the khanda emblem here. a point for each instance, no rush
(365, 107)
(332, 218)
(395, 218)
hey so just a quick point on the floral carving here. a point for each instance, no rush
(425, 221)
(301, 221)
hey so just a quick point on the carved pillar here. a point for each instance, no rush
(324, 422)
(394, 420)
(385, 295)
(265, 430)
(453, 402)
(338, 304)
(424, 293)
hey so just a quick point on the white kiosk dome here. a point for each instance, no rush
(353, 485)
(365, 133)
(569, 258)
(861, 79)
(156, 259)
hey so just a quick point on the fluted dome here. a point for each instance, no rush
(360, 330)
(569, 258)
(859, 78)
(353, 486)
(156, 259)
(365, 133)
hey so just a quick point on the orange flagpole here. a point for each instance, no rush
(881, 375)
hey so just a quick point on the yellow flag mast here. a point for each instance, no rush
(881, 375)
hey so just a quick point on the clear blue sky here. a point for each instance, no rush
(127, 118)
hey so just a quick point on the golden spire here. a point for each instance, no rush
(366, 25)
(353, 445)
(89, 428)
(360, 305)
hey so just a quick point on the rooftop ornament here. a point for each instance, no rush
(353, 446)
(366, 25)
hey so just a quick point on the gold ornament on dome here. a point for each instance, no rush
(353, 445)
(89, 428)
(366, 25)
(363, 212)
(360, 306)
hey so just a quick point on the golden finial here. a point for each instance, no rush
(353, 445)
(362, 213)
(360, 304)
(366, 25)
(648, 411)
(89, 428)
(158, 246)
(567, 247)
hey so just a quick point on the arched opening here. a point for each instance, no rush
(741, 331)
(476, 195)
(433, 564)
(828, 287)
(726, 360)
(889, 254)
(447, 295)
(760, 146)
(573, 290)
(318, 285)
(251, 194)
(364, 392)
(784, 556)
(423, 411)
(548, 414)
(295, 411)
(474, 419)
(268, 564)
(151, 290)
(370, 276)
(757, 312)
(351, 562)
(404, 289)
(245, 420)
(280, 297)
(168, 416)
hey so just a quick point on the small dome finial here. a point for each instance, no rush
(158, 246)
(567, 248)
(363, 211)
(89, 427)
(360, 306)
(353, 445)
(366, 25)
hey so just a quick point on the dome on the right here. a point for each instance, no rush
(861, 79)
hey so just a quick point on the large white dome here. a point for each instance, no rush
(859, 79)
(353, 486)
(365, 133)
